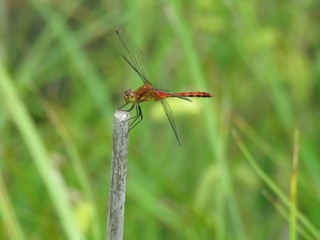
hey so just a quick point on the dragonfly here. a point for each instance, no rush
(147, 92)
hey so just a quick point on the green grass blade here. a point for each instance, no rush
(8, 215)
(80, 61)
(40, 156)
(218, 146)
(308, 225)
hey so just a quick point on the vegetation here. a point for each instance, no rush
(62, 77)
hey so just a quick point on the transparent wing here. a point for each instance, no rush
(136, 59)
(133, 55)
(169, 114)
(175, 95)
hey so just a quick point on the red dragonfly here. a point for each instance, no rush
(148, 91)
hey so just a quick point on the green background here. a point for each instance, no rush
(62, 77)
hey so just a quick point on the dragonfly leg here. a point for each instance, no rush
(136, 117)
(123, 106)
(139, 117)
(126, 105)
(130, 109)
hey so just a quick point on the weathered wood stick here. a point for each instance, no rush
(118, 174)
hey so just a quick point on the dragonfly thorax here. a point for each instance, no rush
(129, 96)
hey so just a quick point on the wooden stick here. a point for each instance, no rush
(118, 173)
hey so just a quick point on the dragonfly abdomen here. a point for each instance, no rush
(185, 94)
(194, 94)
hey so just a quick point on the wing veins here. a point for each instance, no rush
(134, 53)
(136, 70)
(169, 114)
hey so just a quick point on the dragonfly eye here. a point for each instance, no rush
(128, 96)
(128, 92)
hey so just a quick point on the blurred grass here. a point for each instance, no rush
(62, 77)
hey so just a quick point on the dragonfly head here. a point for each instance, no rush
(129, 96)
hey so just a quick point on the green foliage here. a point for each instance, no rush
(62, 77)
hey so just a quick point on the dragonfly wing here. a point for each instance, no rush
(181, 97)
(133, 55)
(169, 114)
(177, 96)
(141, 75)
(174, 94)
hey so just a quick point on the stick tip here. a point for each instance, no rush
(122, 115)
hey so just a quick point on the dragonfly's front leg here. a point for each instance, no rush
(138, 117)
(130, 109)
